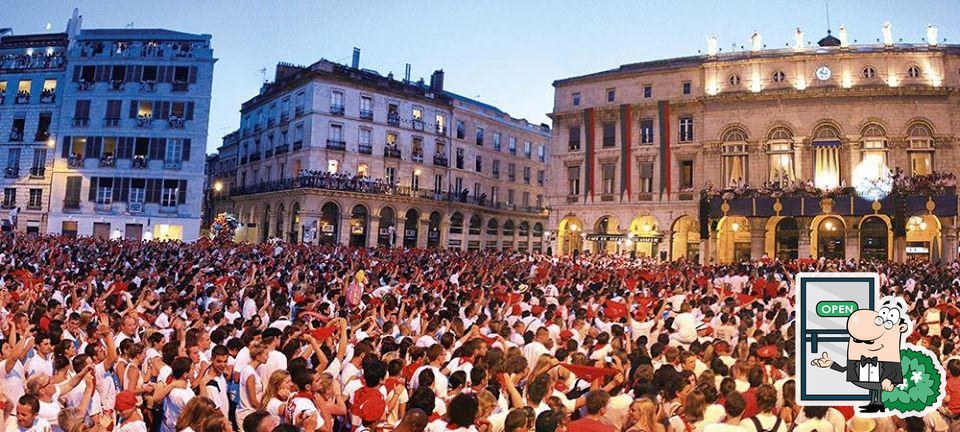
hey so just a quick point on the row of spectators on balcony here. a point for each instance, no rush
(141, 49)
(36, 60)
(344, 182)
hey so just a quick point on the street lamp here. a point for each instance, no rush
(218, 186)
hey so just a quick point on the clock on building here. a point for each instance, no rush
(823, 73)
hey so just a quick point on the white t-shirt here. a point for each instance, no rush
(298, 407)
(39, 425)
(38, 364)
(246, 405)
(275, 361)
(13, 383)
(134, 426)
(767, 421)
(533, 351)
(172, 406)
(724, 427)
(218, 394)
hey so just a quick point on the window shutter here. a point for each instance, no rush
(189, 113)
(97, 146)
(88, 148)
(186, 150)
(193, 74)
(65, 151)
(158, 147)
(168, 76)
(73, 189)
(162, 74)
(98, 73)
(133, 109)
(116, 188)
(151, 195)
(123, 148)
(166, 110)
(92, 193)
(124, 194)
(182, 192)
(76, 74)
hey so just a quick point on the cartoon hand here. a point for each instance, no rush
(824, 361)
(887, 385)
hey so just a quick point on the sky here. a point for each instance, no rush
(505, 53)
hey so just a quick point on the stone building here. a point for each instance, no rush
(780, 153)
(332, 153)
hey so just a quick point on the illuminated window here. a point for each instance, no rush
(363, 170)
(779, 76)
(913, 72)
(921, 149)
(780, 153)
(333, 166)
(869, 72)
(734, 155)
(826, 145)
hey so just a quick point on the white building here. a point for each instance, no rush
(130, 151)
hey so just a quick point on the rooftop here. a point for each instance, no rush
(141, 34)
(33, 40)
(698, 60)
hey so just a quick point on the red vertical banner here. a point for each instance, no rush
(663, 109)
(626, 138)
(589, 132)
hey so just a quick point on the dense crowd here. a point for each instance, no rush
(102, 335)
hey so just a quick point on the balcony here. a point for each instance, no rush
(107, 162)
(366, 115)
(298, 111)
(16, 135)
(393, 119)
(11, 172)
(441, 130)
(148, 86)
(175, 123)
(391, 152)
(48, 96)
(284, 118)
(172, 165)
(417, 156)
(144, 122)
(81, 122)
(365, 148)
(574, 145)
(41, 136)
(139, 162)
(75, 160)
(168, 209)
(255, 157)
(180, 86)
(336, 145)
(135, 207)
(417, 124)
(37, 172)
(70, 204)
(440, 160)
(336, 110)
(297, 145)
(111, 122)
(22, 98)
(84, 86)
(117, 85)
(283, 148)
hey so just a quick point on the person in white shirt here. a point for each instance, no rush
(533, 350)
(27, 417)
(275, 359)
(734, 406)
(42, 360)
(217, 386)
(251, 387)
(176, 394)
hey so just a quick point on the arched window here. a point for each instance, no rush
(475, 225)
(508, 228)
(826, 145)
(780, 152)
(920, 137)
(538, 229)
(456, 223)
(873, 156)
(913, 71)
(734, 156)
(524, 229)
(492, 227)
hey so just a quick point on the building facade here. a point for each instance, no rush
(781, 153)
(337, 154)
(31, 81)
(127, 158)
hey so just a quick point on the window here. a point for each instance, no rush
(459, 158)
(526, 149)
(438, 184)
(461, 129)
(573, 180)
(686, 175)
(512, 171)
(333, 166)
(574, 138)
(921, 163)
(391, 176)
(458, 184)
(9, 197)
(169, 195)
(913, 71)
(36, 198)
(576, 99)
(646, 131)
(416, 149)
(366, 108)
(686, 87)
(336, 102)
(510, 201)
(298, 133)
(494, 193)
(23, 91)
(647, 91)
(920, 138)
(780, 153)
(415, 180)
(71, 199)
(13, 158)
(336, 132)
(734, 80)
(646, 177)
(734, 157)
(826, 145)
(39, 159)
(476, 189)
(541, 174)
(608, 172)
(495, 170)
(365, 138)
(479, 136)
(391, 139)
(81, 112)
(298, 103)
(512, 146)
(441, 124)
(496, 141)
(542, 153)
(779, 76)
(609, 134)
(478, 164)
(611, 94)
(686, 129)
(104, 191)
(174, 151)
(526, 175)
(869, 72)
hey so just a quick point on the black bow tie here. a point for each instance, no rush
(868, 360)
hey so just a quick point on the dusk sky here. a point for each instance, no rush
(504, 53)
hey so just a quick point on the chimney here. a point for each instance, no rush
(356, 58)
(436, 81)
(406, 76)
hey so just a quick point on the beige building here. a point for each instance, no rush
(438, 169)
(636, 146)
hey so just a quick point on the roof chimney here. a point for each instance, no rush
(436, 81)
(356, 58)
(406, 76)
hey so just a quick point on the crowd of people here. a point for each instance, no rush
(111, 335)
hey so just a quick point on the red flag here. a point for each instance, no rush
(589, 373)
(612, 309)
(322, 333)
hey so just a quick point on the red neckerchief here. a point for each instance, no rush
(391, 383)
(433, 417)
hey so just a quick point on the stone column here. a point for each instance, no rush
(422, 233)
(852, 242)
(900, 248)
(373, 231)
(949, 245)
(444, 232)
(343, 233)
(758, 231)
(803, 239)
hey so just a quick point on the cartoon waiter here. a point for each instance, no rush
(873, 354)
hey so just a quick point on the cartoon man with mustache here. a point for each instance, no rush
(873, 353)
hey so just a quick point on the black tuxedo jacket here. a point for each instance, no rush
(892, 371)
